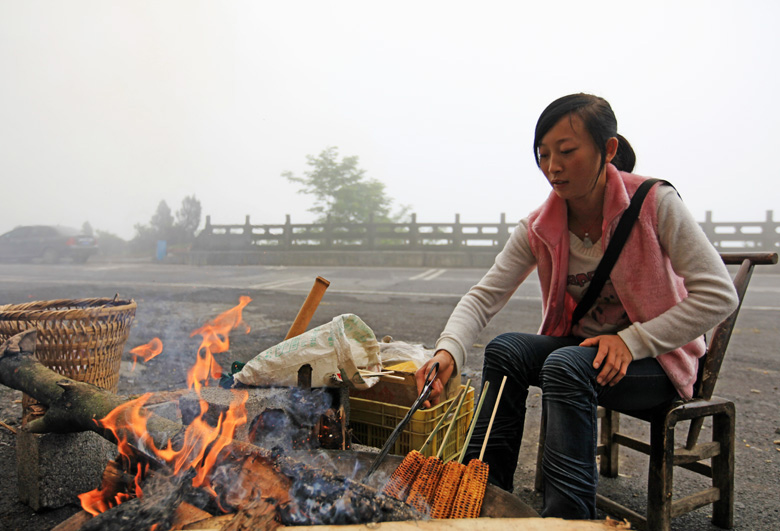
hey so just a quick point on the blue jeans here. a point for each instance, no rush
(570, 396)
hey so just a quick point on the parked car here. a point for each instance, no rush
(47, 243)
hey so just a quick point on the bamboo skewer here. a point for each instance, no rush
(474, 421)
(454, 419)
(438, 424)
(492, 418)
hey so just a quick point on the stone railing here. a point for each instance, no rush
(409, 244)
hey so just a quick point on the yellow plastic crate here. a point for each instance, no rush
(372, 423)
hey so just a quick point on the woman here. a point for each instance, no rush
(637, 347)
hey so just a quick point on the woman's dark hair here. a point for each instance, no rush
(599, 120)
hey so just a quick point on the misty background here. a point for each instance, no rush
(107, 107)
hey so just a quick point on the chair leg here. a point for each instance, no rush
(723, 426)
(610, 424)
(659, 480)
(539, 478)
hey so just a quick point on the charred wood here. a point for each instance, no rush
(300, 494)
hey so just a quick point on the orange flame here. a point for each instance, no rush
(146, 352)
(202, 443)
(215, 340)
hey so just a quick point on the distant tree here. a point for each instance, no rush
(163, 226)
(110, 244)
(162, 221)
(342, 191)
(86, 228)
(188, 218)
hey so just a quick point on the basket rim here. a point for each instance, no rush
(65, 308)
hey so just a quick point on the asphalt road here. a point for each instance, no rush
(410, 304)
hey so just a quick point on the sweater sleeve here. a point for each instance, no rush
(475, 309)
(711, 294)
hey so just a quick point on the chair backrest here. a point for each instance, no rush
(722, 333)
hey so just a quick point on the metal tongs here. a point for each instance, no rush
(426, 391)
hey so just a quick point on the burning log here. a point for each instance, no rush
(299, 494)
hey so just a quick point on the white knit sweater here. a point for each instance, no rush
(709, 286)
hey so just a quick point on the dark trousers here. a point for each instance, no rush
(570, 396)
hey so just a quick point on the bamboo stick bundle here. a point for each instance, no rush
(453, 472)
(471, 492)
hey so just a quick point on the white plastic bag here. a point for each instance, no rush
(394, 352)
(334, 350)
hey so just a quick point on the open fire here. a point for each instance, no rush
(202, 444)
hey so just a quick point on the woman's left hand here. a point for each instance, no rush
(613, 355)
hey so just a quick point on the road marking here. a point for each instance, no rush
(430, 274)
(280, 283)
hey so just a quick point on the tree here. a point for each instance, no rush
(86, 228)
(342, 191)
(188, 217)
(162, 221)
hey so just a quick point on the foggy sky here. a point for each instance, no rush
(108, 107)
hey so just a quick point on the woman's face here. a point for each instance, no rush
(570, 159)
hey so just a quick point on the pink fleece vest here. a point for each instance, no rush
(642, 276)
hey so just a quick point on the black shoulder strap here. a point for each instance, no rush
(619, 238)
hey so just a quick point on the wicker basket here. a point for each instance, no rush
(82, 339)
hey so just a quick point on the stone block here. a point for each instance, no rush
(54, 468)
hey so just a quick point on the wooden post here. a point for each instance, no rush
(414, 233)
(768, 233)
(288, 233)
(457, 233)
(709, 228)
(369, 240)
(610, 424)
(248, 236)
(723, 431)
(327, 237)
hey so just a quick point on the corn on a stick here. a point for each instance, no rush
(447, 489)
(471, 492)
(453, 472)
(402, 478)
(424, 486)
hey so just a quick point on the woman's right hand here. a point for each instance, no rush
(446, 367)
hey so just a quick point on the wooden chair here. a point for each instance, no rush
(664, 455)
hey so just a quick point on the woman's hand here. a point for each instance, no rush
(613, 354)
(446, 366)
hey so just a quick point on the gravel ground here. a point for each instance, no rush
(749, 377)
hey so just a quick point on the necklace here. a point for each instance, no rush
(586, 241)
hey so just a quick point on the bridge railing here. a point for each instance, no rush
(455, 236)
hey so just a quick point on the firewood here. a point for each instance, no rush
(215, 523)
(316, 495)
(186, 514)
(257, 515)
